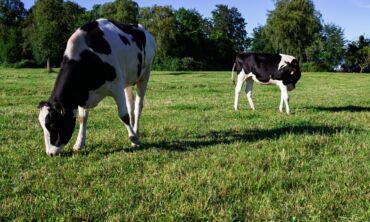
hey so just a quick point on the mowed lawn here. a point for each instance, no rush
(199, 160)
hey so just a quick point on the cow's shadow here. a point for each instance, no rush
(230, 136)
(349, 108)
(212, 138)
(180, 73)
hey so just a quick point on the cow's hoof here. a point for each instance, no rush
(77, 147)
(134, 141)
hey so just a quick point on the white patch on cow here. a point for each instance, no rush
(50, 149)
(75, 45)
(284, 60)
(253, 76)
(95, 96)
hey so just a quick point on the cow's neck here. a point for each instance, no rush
(67, 91)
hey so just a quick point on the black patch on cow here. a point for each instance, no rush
(60, 125)
(137, 34)
(126, 119)
(263, 65)
(94, 38)
(77, 78)
(140, 59)
(124, 40)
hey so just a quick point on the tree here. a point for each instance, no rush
(292, 26)
(127, 11)
(108, 10)
(161, 22)
(351, 54)
(124, 11)
(364, 58)
(327, 47)
(259, 41)
(94, 13)
(190, 35)
(74, 16)
(12, 15)
(314, 52)
(12, 12)
(356, 52)
(228, 33)
(48, 38)
(333, 41)
(228, 23)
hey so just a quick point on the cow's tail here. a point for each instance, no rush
(232, 74)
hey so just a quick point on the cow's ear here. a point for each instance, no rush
(42, 104)
(59, 108)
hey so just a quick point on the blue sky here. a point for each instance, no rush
(352, 15)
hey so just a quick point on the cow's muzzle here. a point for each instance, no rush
(290, 86)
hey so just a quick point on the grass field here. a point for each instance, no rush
(199, 160)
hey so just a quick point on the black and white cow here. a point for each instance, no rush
(281, 70)
(102, 58)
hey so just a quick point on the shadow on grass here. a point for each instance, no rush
(178, 73)
(231, 136)
(342, 109)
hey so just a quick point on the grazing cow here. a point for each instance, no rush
(102, 58)
(281, 70)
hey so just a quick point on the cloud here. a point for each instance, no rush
(362, 3)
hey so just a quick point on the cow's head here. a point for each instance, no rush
(290, 74)
(58, 125)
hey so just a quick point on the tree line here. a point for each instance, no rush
(186, 40)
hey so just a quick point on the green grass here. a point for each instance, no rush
(199, 160)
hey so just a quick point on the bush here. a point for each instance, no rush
(315, 67)
(177, 64)
(24, 63)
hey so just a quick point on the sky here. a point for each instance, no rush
(352, 15)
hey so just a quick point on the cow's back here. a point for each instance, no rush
(258, 63)
(132, 48)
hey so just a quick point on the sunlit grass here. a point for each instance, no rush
(199, 160)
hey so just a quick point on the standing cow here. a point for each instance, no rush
(102, 58)
(281, 70)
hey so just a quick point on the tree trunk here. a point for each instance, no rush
(48, 65)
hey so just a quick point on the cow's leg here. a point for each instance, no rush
(82, 117)
(238, 89)
(139, 103)
(284, 97)
(123, 114)
(130, 104)
(248, 90)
